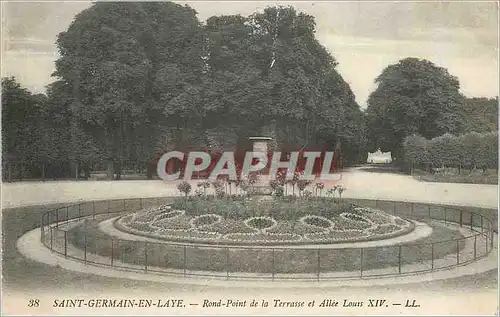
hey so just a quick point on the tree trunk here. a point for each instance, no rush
(110, 170)
(86, 171)
(77, 170)
(149, 171)
(118, 170)
(10, 171)
(43, 172)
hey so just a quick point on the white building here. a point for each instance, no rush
(378, 157)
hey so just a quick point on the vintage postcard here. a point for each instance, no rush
(249, 158)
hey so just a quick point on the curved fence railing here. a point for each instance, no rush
(88, 244)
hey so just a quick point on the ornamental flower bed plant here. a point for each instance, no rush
(169, 214)
(317, 221)
(205, 220)
(290, 228)
(354, 217)
(184, 188)
(231, 226)
(347, 224)
(260, 223)
(175, 223)
(259, 237)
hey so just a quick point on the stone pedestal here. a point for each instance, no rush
(260, 144)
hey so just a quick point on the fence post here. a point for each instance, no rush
(79, 211)
(273, 268)
(93, 209)
(461, 217)
(445, 212)
(85, 249)
(140, 202)
(67, 214)
(471, 220)
(492, 236)
(485, 244)
(429, 206)
(109, 203)
(112, 250)
(475, 244)
(66, 243)
(124, 208)
(185, 260)
(394, 208)
(41, 228)
(361, 264)
(458, 251)
(482, 224)
(319, 263)
(145, 256)
(399, 259)
(227, 263)
(432, 256)
(57, 218)
(51, 229)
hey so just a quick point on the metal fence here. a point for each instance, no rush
(281, 262)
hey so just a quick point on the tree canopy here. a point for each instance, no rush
(413, 96)
(135, 79)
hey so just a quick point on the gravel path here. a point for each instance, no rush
(359, 184)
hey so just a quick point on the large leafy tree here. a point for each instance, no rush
(413, 96)
(127, 67)
(267, 73)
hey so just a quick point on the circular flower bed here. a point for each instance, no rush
(271, 222)
(260, 223)
(204, 221)
(317, 221)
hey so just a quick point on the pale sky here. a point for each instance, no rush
(364, 37)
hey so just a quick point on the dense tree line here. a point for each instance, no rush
(481, 114)
(137, 79)
(470, 151)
